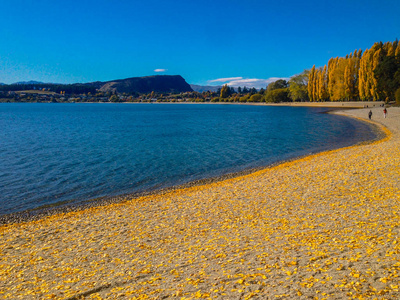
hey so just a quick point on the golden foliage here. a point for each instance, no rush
(321, 226)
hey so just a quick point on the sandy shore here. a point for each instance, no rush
(332, 104)
(325, 226)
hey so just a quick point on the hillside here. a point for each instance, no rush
(158, 83)
(140, 85)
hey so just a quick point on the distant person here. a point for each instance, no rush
(370, 114)
(384, 113)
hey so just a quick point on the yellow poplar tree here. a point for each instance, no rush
(323, 85)
(311, 85)
(337, 91)
(362, 77)
(390, 50)
(351, 77)
(316, 85)
(374, 83)
(332, 63)
(366, 74)
(397, 52)
(347, 82)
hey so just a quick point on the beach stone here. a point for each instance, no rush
(324, 226)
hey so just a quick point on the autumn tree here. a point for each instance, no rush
(225, 92)
(311, 84)
(369, 75)
(323, 85)
(367, 86)
(351, 77)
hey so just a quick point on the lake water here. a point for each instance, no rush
(51, 153)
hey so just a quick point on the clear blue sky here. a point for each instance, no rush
(204, 41)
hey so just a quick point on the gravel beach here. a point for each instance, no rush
(321, 227)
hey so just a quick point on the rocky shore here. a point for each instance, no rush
(323, 226)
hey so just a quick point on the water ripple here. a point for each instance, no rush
(52, 153)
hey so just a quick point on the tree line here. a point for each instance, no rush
(359, 76)
(367, 76)
(73, 89)
(371, 75)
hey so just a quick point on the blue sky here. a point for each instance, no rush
(246, 43)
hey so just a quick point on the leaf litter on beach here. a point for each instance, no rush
(322, 227)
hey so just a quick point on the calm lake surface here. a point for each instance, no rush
(52, 153)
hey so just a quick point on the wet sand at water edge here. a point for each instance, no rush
(323, 226)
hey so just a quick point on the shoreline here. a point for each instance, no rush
(64, 206)
(323, 226)
(328, 104)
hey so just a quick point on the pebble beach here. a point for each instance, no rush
(325, 226)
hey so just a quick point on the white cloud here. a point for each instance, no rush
(160, 70)
(248, 82)
(225, 79)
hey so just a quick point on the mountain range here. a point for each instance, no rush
(205, 88)
(141, 85)
(28, 82)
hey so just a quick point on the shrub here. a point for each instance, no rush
(255, 98)
(244, 98)
(278, 95)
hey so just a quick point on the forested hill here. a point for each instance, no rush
(148, 84)
(135, 85)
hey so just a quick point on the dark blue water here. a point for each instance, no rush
(51, 153)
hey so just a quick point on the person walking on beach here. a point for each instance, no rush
(370, 114)
(384, 113)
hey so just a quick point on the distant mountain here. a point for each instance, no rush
(2, 83)
(204, 88)
(28, 82)
(143, 85)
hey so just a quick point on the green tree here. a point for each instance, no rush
(253, 91)
(387, 75)
(277, 96)
(279, 84)
(397, 96)
(114, 98)
(298, 87)
(244, 98)
(255, 98)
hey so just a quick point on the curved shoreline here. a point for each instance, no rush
(326, 226)
(64, 207)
